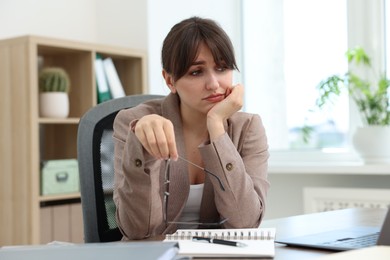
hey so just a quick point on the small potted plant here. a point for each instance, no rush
(372, 140)
(54, 86)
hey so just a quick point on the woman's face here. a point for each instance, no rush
(203, 85)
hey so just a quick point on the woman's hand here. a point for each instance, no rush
(231, 104)
(157, 136)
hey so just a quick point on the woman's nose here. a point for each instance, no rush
(212, 81)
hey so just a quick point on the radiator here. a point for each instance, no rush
(318, 199)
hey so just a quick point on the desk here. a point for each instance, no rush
(318, 222)
(285, 227)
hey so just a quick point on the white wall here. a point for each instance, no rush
(115, 22)
(285, 197)
(162, 15)
(70, 19)
(122, 22)
(135, 24)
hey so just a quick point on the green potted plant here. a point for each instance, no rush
(372, 140)
(54, 85)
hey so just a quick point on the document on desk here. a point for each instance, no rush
(251, 242)
(97, 251)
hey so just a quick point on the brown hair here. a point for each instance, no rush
(181, 45)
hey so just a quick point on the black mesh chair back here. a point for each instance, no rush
(95, 152)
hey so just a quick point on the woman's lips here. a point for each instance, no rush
(214, 98)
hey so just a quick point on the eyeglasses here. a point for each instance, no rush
(166, 195)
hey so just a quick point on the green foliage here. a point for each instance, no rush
(306, 133)
(372, 100)
(54, 79)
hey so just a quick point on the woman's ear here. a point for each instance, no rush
(169, 81)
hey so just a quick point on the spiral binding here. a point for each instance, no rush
(220, 234)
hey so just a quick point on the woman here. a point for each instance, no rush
(196, 126)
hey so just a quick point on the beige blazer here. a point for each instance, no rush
(239, 158)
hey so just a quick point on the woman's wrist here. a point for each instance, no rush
(215, 128)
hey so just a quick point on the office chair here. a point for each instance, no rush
(95, 152)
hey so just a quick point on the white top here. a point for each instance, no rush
(192, 208)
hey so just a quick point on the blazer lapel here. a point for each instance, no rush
(179, 181)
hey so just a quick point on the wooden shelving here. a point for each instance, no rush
(27, 139)
(51, 198)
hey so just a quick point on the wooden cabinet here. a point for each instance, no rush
(26, 139)
(61, 222)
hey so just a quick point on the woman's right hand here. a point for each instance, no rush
(157, 136)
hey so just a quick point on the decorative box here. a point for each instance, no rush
(59, 177)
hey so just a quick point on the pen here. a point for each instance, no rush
(218, 241)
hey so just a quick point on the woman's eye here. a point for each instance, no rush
(221, 69)
(195, 72)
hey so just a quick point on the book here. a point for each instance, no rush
(115, 85)
(96, 251)
(259, 242)
(103, 90)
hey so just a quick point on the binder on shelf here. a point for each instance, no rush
(258, 242)
(115, 84)
(103, 90)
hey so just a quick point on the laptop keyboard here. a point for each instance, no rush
(358, 242)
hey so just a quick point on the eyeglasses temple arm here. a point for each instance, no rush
(206, 171)
(219, 180)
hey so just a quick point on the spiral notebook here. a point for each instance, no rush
(259, 242)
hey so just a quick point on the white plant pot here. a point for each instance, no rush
(54, 104)
(372, 143)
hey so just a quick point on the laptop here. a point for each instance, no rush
(344, 239)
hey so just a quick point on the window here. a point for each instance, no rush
(296, 44)
(387, 39)
(289, 46)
